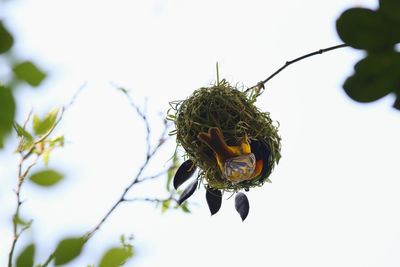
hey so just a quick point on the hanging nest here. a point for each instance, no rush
(233, 111)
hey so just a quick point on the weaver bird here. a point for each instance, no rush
(245, 161)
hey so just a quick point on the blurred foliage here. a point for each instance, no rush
(26, 257)
(6, 39)
(42, 126)
(46, 177)
(7, 112)
(118, 256)
(29, 72)
(68, 249)
(378, 33)
(23, 72)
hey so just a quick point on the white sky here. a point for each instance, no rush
(334, 198)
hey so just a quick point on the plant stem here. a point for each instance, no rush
(16, 217)
(22, 174)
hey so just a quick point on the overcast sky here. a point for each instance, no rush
(334, 198)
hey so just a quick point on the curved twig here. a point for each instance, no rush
(260, 85)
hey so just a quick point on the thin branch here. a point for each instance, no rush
(152, 177)
(16, 217)
(146, 199)
(30, 167)
(261, 84)
(28, 118)
(142, 115)
(15, 239)
(135, 180)
(75, 96)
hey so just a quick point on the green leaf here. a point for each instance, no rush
(172, 169)
(46, 177)
(375, 76)
(19, 221)
(185, 208)
(30, 73)
(46, 156)
(25, 145)
(25, 259)
(7, 113)
(26, 141)
(165, 205)
(57, 141)
(22, 132)
(42, 127)
(6, 38)
(366, 29)
(390, 9)
(68, 249)
(116, 257)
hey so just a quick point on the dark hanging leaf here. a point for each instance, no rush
(6, 39)
(366, 29)
(188, 191)
(46, 177)
(116, 257)
(242, 205)
(30, 73)
(7, 113)
(375, 76)
(26, 258)
(68, 249)
(184, 172)
(214, 200)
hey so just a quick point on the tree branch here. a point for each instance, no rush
(260, 85)
(142, 115)
(146, 199)
(135, 180)
(155, 176)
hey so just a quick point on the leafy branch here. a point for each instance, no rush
(31, 147)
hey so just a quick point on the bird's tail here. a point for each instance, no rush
(215, 140)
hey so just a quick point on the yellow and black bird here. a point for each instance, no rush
(246, 161)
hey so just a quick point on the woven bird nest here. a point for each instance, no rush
(234, 112)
